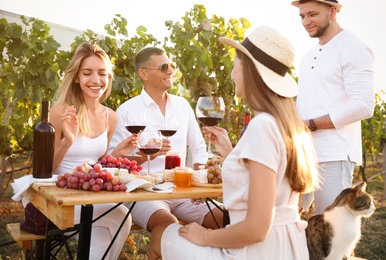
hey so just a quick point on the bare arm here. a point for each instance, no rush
(66, 131)
(124, 147)
(258, 221)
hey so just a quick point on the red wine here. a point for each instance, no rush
(135, 129)
(210, 121)
(43, 146)
(149, 151)
(168, 132)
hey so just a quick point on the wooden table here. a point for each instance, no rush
(58, 205)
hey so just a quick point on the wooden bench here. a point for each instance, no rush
(25, 239)
(22, 237)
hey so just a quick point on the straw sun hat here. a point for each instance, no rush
(272, 55)
(328, 2)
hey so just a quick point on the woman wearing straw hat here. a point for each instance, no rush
(263, 174)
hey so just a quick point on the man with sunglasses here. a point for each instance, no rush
(155, 70)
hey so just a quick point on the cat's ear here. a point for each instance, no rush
(361, 187)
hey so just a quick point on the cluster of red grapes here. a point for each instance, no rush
(123, 163)
(214, 171)
(90, 178)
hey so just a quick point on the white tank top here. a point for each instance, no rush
(83, 150)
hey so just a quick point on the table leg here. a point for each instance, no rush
(119, 229)
(43, 246)
(211, 212)
(85, 232)
(39, 250)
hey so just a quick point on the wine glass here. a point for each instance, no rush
(150, 142)
(135, 122)
(210, 111)
(168, 127)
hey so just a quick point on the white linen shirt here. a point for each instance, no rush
(188, 133)
(337, 79)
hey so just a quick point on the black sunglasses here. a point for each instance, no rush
(164, 67)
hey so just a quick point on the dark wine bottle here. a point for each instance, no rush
(43, 146)
(247, 119)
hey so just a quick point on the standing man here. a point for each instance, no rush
(156, 73)
(336, 92)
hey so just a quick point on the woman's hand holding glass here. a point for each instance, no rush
(219, 138)
(210, 111)
(127, 146)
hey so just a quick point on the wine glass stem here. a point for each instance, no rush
(132, 153)
(148, 164)
(209, 145)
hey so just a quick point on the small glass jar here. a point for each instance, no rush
(172, 160)
(183, 177)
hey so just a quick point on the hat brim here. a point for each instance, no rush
(284, 86)
(338, 6)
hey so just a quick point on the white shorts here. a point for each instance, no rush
(183, 209)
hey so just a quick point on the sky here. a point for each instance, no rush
(365, 18)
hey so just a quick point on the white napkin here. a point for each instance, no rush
(20, 187)
(166, 187)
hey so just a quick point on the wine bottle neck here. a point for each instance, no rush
(247, 119)
(45, 108)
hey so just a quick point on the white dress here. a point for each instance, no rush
(262, 142)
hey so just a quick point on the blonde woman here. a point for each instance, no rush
(83, 130)
(264, 174)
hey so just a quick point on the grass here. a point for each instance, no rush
(372, 245)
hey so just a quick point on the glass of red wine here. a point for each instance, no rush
(168, 127)
(150, 142)
(210, 111)
(135, 122)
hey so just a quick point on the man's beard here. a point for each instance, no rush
(321, 31)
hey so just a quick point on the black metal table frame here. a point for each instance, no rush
(43, 248)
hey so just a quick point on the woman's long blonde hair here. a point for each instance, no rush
(301, 170)
(69, 92)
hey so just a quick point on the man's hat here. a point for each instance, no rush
(328, 2)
